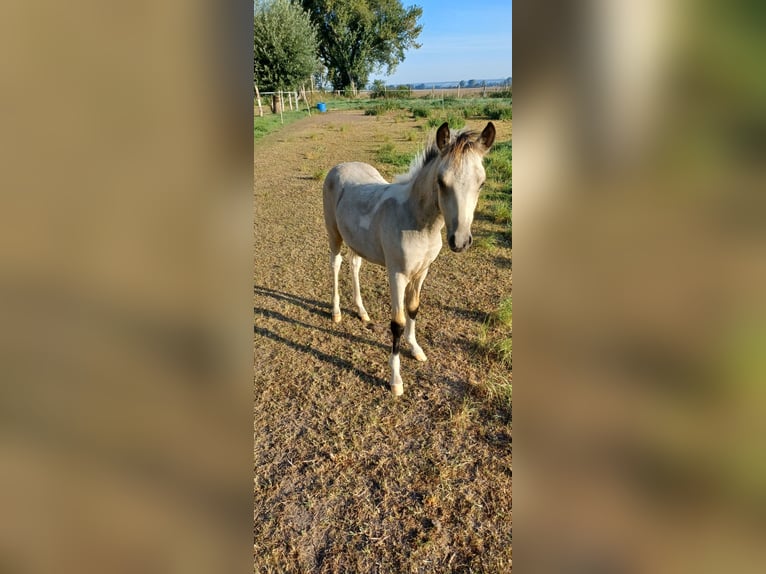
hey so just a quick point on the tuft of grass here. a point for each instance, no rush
(495, 337)
(381, 108)
(498, 188)
(501, 212)
(320, 174)
(507, 93)
(420, 112)
(387, 153)
(485, 243)
(499, 165)
(504, 313)
(498, 112)
(455, 121)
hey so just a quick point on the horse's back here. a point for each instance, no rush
(351, 173)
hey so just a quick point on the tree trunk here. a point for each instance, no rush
(276, 103)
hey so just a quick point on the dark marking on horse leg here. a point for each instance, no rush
(396, 331)
(412, 313)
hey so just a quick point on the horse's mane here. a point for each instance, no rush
(460, 142)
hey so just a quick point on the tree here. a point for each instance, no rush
(359, 37)
(285, 45)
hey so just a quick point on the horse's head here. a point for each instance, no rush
(459, 179)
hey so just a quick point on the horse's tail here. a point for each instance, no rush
(331, 190)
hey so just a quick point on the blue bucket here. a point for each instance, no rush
(322, 107)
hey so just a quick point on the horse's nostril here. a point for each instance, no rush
(470, 240)
(451, 241)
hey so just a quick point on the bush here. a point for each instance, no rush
(381, 108)
(455, 122)
(508, 93)
(379, 90)
(496, 112)
(420, 112)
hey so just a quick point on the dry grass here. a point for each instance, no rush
(347, 478)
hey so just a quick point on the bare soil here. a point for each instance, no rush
(347, 477)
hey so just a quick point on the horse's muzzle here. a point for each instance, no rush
(459, 248)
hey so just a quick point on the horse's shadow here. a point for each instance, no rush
(322, 310)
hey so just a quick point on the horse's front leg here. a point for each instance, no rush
(412, 302)
(397, 283)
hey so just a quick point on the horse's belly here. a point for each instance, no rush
(363, 244)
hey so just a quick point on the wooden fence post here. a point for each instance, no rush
(303, 93)
(258, 99)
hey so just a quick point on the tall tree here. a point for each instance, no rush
(285, 45)
(359, 37)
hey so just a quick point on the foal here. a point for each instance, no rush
(398, 225)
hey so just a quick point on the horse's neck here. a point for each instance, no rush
(423, 199)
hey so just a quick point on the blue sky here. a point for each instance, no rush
(461, 40)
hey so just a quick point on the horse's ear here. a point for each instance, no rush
(487, 137)
(442, 136)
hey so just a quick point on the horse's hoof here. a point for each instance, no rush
(420, 356)
(397, 389)
(365, 318)
(336, 317)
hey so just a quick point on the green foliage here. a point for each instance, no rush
(420, 112)
(498, 112)
(378, 109)
(498, 187)
(490, 111)
(507, 93)
(388, 154)
(285, 45)
(358, 37)
(272, 122)
(379, 90)
(496, 333)
(455, 121)
(499, 165)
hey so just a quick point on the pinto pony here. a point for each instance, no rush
(398, 225)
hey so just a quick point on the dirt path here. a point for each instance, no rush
(346, 476)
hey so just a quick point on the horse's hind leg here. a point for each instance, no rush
(335, 263)
(412, 304)
(329, 192)
(356, 264)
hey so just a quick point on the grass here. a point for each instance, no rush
(495, 338)
(491, 110)
(455, 122)
(499, 187)
(388, 153)
(271, 122)
(450, 109)
(485, 242)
